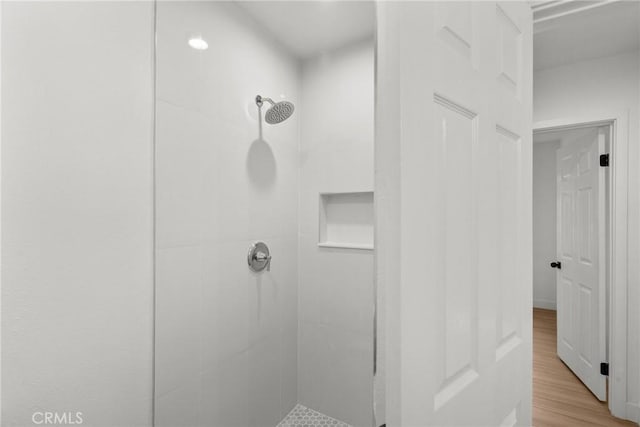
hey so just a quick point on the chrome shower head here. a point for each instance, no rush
(279, 111)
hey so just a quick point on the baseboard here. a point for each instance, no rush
(633, 412)
(549, 305)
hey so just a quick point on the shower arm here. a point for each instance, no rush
(260, 100)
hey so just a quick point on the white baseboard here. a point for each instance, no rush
(549, 305)
(633, 412)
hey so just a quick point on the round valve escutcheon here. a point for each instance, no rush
(259, 257)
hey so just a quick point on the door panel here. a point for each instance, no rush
(581, 249)
(509, 161)
(565, 315)
(456, 137)
(459, 305)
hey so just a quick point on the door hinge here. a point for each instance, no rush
(604, 160)
(604, 369)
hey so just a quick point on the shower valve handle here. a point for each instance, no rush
(259, 257)
(262, 257)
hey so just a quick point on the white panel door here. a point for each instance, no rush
(458, 316)
(581, 252)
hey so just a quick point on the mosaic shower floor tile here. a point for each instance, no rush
(301, 416)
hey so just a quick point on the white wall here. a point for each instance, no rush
(336, 295)
(226, 346)
(544, 224)
(592, 89)
(77, 209)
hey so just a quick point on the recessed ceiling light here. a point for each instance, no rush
(198, 43)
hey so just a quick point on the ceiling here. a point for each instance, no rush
(564, 31)
(590, 30)
(308, 28)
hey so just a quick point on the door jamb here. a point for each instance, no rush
(618, 253)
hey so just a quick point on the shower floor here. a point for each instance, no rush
(301, 416)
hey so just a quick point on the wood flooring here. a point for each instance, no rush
(559, 397)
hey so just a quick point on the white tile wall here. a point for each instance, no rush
(224, 393)
(336, 299)
(226, 337)
(225, 302)
(77, 211)
(77, 194)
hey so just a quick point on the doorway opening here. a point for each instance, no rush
(571, 273)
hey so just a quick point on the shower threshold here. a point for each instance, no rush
(301, 416)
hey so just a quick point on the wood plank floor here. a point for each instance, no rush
(559, 397)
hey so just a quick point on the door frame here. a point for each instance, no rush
(617, 256)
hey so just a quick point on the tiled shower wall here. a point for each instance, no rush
(235, 348)
(336, 298)
(226, 339)
(77, 209)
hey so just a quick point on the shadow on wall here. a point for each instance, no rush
(261, 163)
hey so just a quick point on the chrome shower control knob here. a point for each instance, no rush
(259, 257)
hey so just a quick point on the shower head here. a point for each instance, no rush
(279, 111)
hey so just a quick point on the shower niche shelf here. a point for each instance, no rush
(346, 220)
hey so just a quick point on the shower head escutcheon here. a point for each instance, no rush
(278, 112)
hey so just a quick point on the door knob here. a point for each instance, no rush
(556, 264)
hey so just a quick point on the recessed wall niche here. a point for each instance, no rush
(346, 220)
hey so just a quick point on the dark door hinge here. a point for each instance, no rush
(604, 160)
(604, 369)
